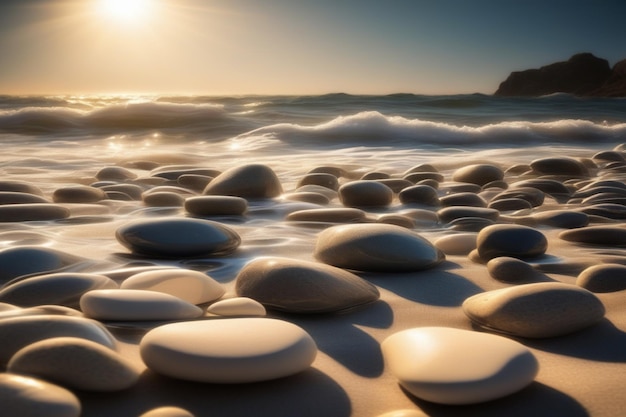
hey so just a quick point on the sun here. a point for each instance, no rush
(124, 11)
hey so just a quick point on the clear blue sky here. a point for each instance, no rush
(294, 46)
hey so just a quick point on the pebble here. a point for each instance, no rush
(330, 215)
(124, 304)
(32, 212)
(216, 205)
(419, 194)
(416, 177)
(40, 310)
(510, 204)
(457, 244)
(18, 332)
(365, 194)
(559, 166)
(333, 170)
(63, 288)
(173, 237)
(512, 270)
(76, 364)
(20, 187)
(194, 182)
(244, 353)
(448, 214)
(538, 310)
(510, 240)
(247, 181)
(175, 172)
(325, 180)
(565, 219)
(456, 367)
(299, 286)
(534, 196)
(597, 235)
(167, 412)
(479, 174)
(397, 219)
(463, 199)
(132, 190)
(555, 188)
(606, 210)
(237, 306)
(330, 194)
(192, 286)
(12, 197)
(163, 199)
(469, 224)
(603, 278)
(376, 247)
(115, 173)
(78, 194)
(375, 175)
(30, 397)
(307, 197)
(23, 260)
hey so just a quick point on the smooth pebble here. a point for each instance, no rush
(457, 244)
(216, 205)
(31, 397)
(603, 278)
(516, 241)
(513, 270)
(237, 306)
(167, 412)
(365, 193)
(255, 181)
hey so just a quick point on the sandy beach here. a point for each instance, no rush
(580, 374)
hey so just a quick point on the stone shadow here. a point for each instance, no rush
(310, 393)
(536, 400)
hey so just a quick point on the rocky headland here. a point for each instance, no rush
(582, 75)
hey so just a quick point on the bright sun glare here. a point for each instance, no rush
(128, 11)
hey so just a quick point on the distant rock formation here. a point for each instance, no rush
(582, 75)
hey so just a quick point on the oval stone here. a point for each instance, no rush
(178, 237)
(18, 332)
(330, 215)
(244, 353)
(545, 309)
(12, 197)
(115, 173)
(603, 278)
(136, 305)
(376, 247)
(457, 244)
(565, 219)
(507, 269)
(19, 187)
(75, 363)
(559, 166)
(365, 193)
(78, 194)
(194, 287)
(453, 366)
(479, 174)
(302, 287)
(452, 213)
(247, 181)
(24, 260)
(25, 396)
(419, 194)
(325, 180)
(163, 199)
(33, 212)
(510, 240)
(463, 199)
(598, 235)
(237, 306)
(64, 288)
(214, 205)
(167, 412)
(307, 197)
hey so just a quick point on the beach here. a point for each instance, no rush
(93, 147)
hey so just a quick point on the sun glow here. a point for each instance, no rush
(125, 11)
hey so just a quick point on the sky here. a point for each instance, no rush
(234, 47)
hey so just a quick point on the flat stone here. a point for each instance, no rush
(78, 194)
(12, 197)
(419, 194)
(448, 214)
(19, 332)
(312, 188)
(132, 190)
(40, 310)
(20, 187)
(24, 260)
(463, 199)
(307, 197)
(167, 412)
(244, 353)
(32, 212)
(375, 175)
(365, 194)
(469, 224)
(606, 210)
(63, 288)
(247, 181)
(510, 204)
(237, 306)
(75, 363)
(163, 199)
(25, 396)
(136, 305)
(330, 215)
(178, 237)
(479, 174)
(565, 219)
(214, 205)
(455, 367)
(513, 270)
(174, 189)
(115, 173)
(457, 244)
(510, 240)
(549, 186)
(534, 196)
(597, 235)
(559, 166)
(376, 247)
(302, 287)
(192, 286)
(416, 177)
(325, 180)
(173, 172)
(546, 309)
(603, 278)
